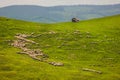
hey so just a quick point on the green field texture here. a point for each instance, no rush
(92, 44)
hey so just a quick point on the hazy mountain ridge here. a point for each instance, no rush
(58, 13)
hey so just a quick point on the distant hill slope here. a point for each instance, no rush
(89, 50)
(58, 13)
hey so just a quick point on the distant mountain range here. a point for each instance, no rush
(58, 13)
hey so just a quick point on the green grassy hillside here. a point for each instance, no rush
(92, 44)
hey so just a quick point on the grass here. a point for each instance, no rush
(92, 44)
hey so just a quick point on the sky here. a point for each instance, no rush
(4, 3)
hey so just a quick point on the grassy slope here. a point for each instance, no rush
(100, 52)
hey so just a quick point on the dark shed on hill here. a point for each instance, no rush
(75, 20)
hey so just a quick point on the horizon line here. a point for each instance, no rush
(63, 5)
